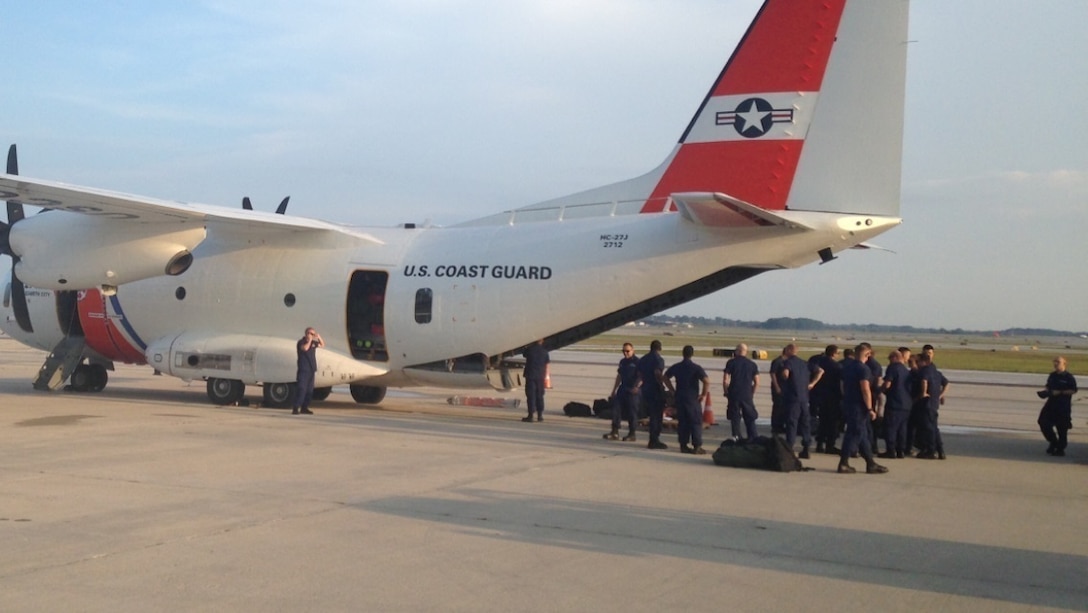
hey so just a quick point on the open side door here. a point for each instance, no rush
(366, 315)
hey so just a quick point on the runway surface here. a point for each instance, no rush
(145, 497)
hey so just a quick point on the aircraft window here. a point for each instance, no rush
(289, 300)
(179, 293)
(424, 300)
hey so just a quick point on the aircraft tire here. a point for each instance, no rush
(367, 394)
(279, 395)
(322, 393)
(99, 377)
(225, 391)
(81, 378)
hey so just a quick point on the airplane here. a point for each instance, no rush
(793, 156)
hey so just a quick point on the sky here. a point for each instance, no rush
(384, 112)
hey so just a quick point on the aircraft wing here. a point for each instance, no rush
(125, 209)
(724, 211)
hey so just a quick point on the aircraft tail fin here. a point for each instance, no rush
(806, 115)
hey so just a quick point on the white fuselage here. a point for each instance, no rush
(493, 288)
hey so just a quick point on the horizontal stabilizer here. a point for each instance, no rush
(866, 246)
(719, 210)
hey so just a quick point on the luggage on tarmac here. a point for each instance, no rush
(602, 407)
(740, 454)
(766, 453)
(577, 409)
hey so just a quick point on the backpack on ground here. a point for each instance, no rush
(766, 453)
(577, 409)
(740, 454)
(781, 456)
(602, 407)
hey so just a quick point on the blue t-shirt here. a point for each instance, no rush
(897, 398)
(689, 377)
(307, 358)
(742, 372)
(853, 374)
(935, 381)
(628, 372)
(776, 366)
(830, 385)
(796, 386)
(536, 361)
(1061, 382)
(648, 367)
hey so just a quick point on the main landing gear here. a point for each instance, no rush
(274, 395)
(89, 378)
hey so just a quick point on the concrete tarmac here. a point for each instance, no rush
(145, 497)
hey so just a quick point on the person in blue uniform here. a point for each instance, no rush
(1056, 417)
(876, 426)
(795, 382)
(896, 387)
(536, 369)
(829, 394)
(691, 389)
(740, 380)
(625, 395)
(933, 386)
(857, 410)
(651, 374)
(778, 409)
(306, 370)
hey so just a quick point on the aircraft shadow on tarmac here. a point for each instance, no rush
(962, 569)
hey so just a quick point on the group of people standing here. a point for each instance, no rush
(854, 396)
(846, 396)
(642, 381)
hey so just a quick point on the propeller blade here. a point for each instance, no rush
(13, 161)
(282, 208)
(15, 213)
(18, 302)
(246, 204)
(5, 239)
(15, 208)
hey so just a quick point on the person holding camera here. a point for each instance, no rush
(307, 368)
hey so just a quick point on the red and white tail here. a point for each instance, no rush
(806, 115)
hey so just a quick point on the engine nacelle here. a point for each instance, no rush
(250, 359)
(62, 250)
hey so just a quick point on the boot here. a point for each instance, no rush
(612, 436)
(875, 469)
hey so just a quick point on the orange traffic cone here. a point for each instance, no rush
(547, 378)
(708, 413)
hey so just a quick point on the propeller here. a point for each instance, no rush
(15, 214)
(281, 209)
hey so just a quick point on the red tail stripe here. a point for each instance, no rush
(772, 56)
(739, 168)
